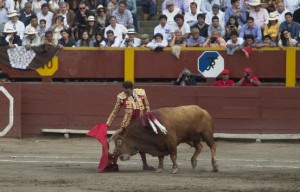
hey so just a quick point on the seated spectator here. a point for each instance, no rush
(111, 6)
(281, 11)
(31, 38)
(234, 43)
(54, 6)
(131, 40)
(3, 15)
(272, 28)
(215, 25)
(237, 11)
(10, 38)
(26, 13)
(206, 5)
(215, 40)
(248, 79)
(48, 39)
(85, 40)
(191, 16)
(201, 25)
(131, 6)
(291, 5)
(42, 28)
(37, 5)
(259, 14)
(102, 19)
(198, 4)
(232, 25)
(118, 29)
(181, 5)
(186, 78)
(67, 14)
(290, 25)
(163, 28)
(286, 39)
(66, 40)
(248, 45)
(296, 16)
(111, 40)
(46, 15)
(195, 40)
(80, 19)
(33, 23)
(250, 28)
(15, 23)
(225, 81)
(144, 40)
(267, 42)
(150, 8)
(91, 27)
(123, 16)
(181, 25)
(57, 27)
(215, 12)
(98, 39)
(170, 12)
(178, 39)
(158, 42)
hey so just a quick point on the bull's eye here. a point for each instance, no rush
(119, 142)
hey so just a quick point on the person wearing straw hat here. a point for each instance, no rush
(259, 13)
(15, 23)
(131, 40)
(10, 38)
(272, 28)
(31, 38)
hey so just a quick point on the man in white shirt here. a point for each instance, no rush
(191, 17)
(259, 13)
(45, 14)
(291, 5)
(15, 23)
(111, 40)
(170, 12)
(198, 2)
(206, 5)
(182, 5)
(215, 12)
(281, 11)
(3, 15)
(182, 26)
(117, 29)
(163, 28)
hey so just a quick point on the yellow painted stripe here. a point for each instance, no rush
(290, 67)
(129, 64)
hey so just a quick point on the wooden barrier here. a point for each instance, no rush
(79, 106)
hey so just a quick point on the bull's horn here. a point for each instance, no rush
(114, 135)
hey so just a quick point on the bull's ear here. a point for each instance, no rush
(123, 132)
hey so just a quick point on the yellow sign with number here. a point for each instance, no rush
(50, 68)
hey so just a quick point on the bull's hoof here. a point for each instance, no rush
(215, 168)
(110, 168)
(194, 163)
(159, 170)
(175, 170)
(148, 168)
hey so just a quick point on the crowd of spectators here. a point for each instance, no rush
(232, 24)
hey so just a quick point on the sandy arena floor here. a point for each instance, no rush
(69, 165)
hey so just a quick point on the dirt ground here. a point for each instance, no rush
(57, 164)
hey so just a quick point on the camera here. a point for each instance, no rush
(248, 74)
(213, 39)
(231, 26)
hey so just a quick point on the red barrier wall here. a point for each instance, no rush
(82, 105)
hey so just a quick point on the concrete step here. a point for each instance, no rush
(149, 31)
(148, 24)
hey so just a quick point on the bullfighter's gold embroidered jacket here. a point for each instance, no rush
(138, 101)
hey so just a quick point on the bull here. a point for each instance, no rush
(184, 124)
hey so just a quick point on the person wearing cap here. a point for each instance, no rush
(182, 5)
(111, 40)
(225, 81)
(31, 38)
(45, 14)
(248, 80)
(237, 11)
(184, 28)
(144, 40)
(215, 12)
(201, 25)
(15, 23)
(259, 14)
(101, 18)
(163, 27)
(10, 38)
(191, 16)
(158, 42)
(123, 16)
(290, 25)
(68, 14)
(91, 27)
(272, 28)
(131, 40)
(206, 5)
(170, 12)
(65, 40)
